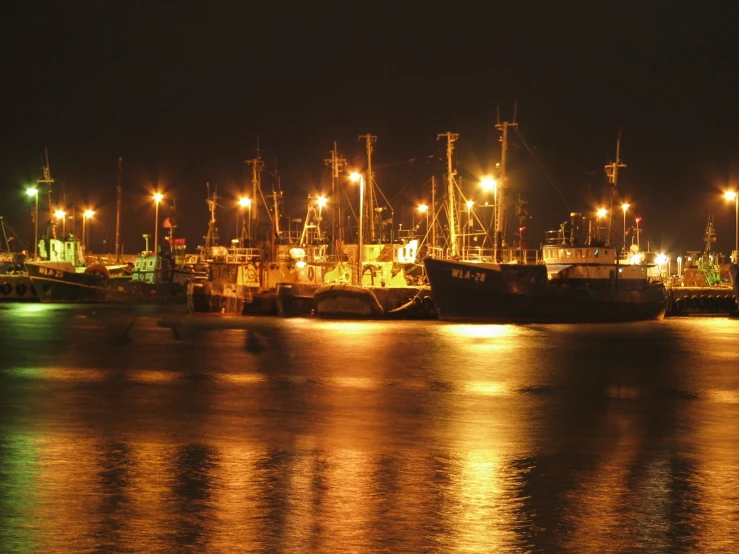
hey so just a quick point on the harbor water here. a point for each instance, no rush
(133, 429)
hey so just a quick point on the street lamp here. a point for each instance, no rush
(638, 244)
(61, 214)
(358, 177)
(244, 202)
(85, 216)
(33, 191)
(624, 207)
(732, 195)
(157, 198)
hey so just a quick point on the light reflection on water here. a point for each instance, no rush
(120, 434)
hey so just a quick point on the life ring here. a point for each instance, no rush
(20, 289)
(6, 289)
(98, 269)
(339, 245)
(311, 273)
(251, 272)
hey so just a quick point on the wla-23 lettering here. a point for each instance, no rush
(51, 272)
(467, 274)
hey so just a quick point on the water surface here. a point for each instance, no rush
(119, 433)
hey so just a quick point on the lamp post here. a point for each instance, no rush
(244, 202)
(625, 207)
(157, 198)
(358, 177)
(638, 244)
(85, 216)
(732, 195)
(33, 191)
(61, 214)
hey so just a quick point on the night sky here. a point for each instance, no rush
(185, 92)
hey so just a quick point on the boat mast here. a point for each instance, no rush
(501, 211)
(47, 180)
(119, 203)
(337, 165)
(612, 174)
(433, 213)
(211, 238)
(256, 191)
(451, 192)
(275, 200)
(369, 188)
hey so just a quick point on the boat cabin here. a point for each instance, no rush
(69, 250)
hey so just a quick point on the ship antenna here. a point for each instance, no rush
(119, 203)
(612, 174)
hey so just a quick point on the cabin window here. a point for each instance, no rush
(568, 253)
(578, 253)
(596, 252)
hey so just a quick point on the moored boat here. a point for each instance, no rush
(15, 284)
(64, 276)
(579, 280)
(347, 301)
(703, 284)
(387, 289)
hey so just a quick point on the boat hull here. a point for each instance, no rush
(689, 301)
(296, 299)
(511, 293)
(55, 285)
(17, 288)
(345, 301)
(216, 297)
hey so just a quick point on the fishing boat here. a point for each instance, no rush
(242, 278)
(576, 276)
(381, 284)
(61, 274)
(385, 288)
(156, 278)
(64, 275)
(15, 284)
(703, 285)
(579, 281)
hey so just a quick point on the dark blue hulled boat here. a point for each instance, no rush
(577, 281)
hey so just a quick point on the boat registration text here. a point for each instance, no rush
(467, 274)
(55, 273)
